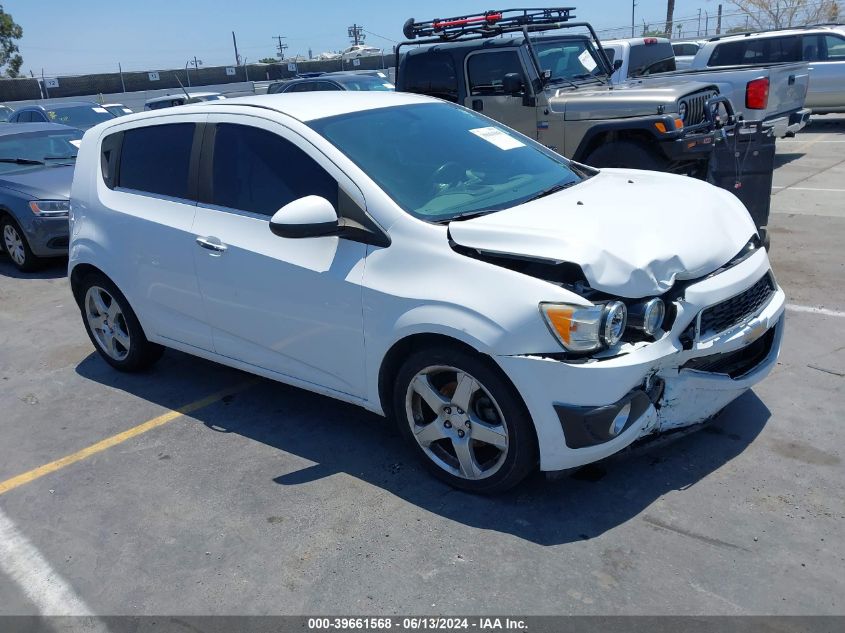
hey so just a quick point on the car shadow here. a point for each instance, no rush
(50, 269)
(819, 123)
(784, 158)
(342, 438)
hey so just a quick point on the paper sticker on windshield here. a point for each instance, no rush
(497, 137)
(388, 86)
(77, 143)
(587, 61)
(99, 110)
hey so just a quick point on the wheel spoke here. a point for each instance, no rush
(467, 386)
(432, 397)
(121, 338)
(429, 433)
(488, 433)
(96, 322)
(466, 458)
(113, 311)
(99, 304)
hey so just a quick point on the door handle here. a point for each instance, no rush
(477, 105)
(211, 244)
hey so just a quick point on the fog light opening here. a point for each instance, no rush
(620, 421)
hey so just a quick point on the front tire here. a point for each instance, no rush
(465, 420)
(16, 246)
(113, 327)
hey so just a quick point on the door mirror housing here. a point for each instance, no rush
(311, 216)
(512, 84)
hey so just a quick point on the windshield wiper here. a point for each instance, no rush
(562, 80)
(21, 161)
(554, 189)
(70, 157)
(585, 76)
(465, 216)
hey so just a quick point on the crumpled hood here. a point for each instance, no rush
(632, 232)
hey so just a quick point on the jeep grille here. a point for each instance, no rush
(695, 106)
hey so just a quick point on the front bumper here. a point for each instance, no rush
(669, 384)
(48, 237)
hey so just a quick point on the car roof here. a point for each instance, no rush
(25, 128)
(59, 106)
(303, 106)
(180, 95)
(807, 30)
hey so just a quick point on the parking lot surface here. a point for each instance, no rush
(265, 499)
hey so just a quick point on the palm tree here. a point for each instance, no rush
(670, 16)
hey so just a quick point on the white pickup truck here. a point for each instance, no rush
(771, 93)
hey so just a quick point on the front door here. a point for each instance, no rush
(291, 306)
(485, 73)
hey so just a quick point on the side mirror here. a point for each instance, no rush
(617, 65)
(512, 84)
(311, 216)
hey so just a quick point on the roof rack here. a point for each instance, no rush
(487, 24)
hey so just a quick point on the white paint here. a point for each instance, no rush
(42, 585)
(792, 307)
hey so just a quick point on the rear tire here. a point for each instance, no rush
(627, 155)
(113, 327)
(16, 246)
(465, 420)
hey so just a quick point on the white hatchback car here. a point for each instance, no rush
(508, 307)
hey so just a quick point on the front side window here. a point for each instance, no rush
(156, 159)
(257, 171)
(834, 48)
(438, 161)
(487, 71)
(431, 73)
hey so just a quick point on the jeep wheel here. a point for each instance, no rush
(627, 155)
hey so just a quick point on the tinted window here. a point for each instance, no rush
(303, 86)
(326, 85)
(364, 82)
(647, 59)
(770, 50)
(53, 147)
(470, 164)
(834, 48)
(431, 74)
(487, 71)
(685, 49)
(79, 116)
(156, 159)
(23, 117)
(258, 171)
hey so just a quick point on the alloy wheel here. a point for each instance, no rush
(457, 422)
(107, 323)
(14, 244)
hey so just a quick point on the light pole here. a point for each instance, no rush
(633, 9)
(196, 63)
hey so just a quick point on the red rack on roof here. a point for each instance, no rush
(487, 24)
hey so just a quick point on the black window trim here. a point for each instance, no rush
(114, 161)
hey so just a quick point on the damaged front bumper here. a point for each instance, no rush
(586, 411)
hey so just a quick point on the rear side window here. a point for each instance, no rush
(431, 74)
(258, 171)
(685, 49)
(769, 50)
(157, 159)
(487, 71)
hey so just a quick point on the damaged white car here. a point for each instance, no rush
(510, 309)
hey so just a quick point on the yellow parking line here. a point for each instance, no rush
(114, 440)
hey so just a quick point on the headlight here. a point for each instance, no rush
(682, 111)
(50, 208)
(585, 328)
(647, 316)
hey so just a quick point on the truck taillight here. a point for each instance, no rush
(757, 94)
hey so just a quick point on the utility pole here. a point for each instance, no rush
(706, 24)
(633, 9)
(356, 34)
(719, 21)
(120, 70)
(281, 46)
(670, 17)
(235, 43)
(698, 32)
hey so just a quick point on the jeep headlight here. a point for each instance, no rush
(682, 111)
(586, 328)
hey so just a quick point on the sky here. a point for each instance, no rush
(82, 36)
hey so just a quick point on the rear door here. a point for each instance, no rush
(290, 306)
(826, 55)
(485, 73)
(149, 190)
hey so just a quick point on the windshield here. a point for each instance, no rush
(368, 83)
(438, 161)
(79, 116)
(567, 59)
(53, 147)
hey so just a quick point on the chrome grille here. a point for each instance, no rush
(730, 312)
(695, 106)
